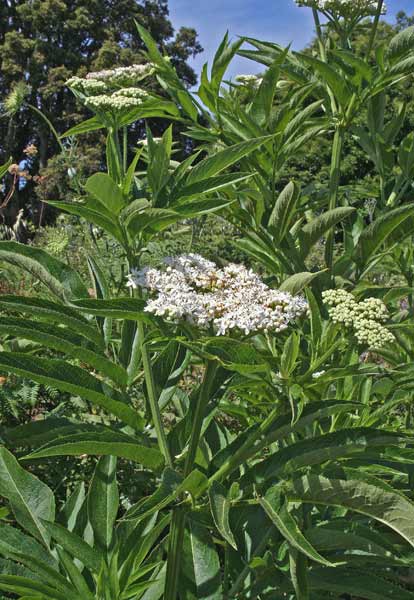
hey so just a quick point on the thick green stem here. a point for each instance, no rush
(334, 179)
(202, 402)
(153, 398)
(178, 517)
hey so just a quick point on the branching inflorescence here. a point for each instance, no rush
(114, 89)
(365, 318)
(229, 299)
(343, 8)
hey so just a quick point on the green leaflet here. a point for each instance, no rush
(70, 378)
(64, 341)
(56, 275)
(103, 501)
(220, 508)
(345, 443)
(376, 234)
(278, 512)
(315, 229)
(53, 312)
(106, 191)
(211, 166)
(372, 586)
(200, 575)
(104, 443)
(30, 499)
(75, 546)
(372, 499)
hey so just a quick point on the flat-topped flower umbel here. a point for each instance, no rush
(233, 298)
(344, 8)
(113, 89)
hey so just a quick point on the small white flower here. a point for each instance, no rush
(318, 374)
(234, 298)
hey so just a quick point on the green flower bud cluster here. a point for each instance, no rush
(365, 318)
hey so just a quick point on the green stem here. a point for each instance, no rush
(238, 584)
(375, 28)
(125, 148)
(198, 419)
(334, 178)
(178, 518)
(50, 125)
(246, 450)
(153, 398)
(322, 52)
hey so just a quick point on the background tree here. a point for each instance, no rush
(45, 42)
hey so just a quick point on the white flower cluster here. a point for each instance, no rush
(99, 87)
(344, 8)
(252, 80)
(365, 317)
(192, 289)
(87, 86)
(122, 76)
(118, 100)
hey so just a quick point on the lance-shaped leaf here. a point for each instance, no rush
(278, 512)
(376, 234)
(220, 509)
(13, 541)
(101, 443)
(211, 166)
(120, 308)
(97, 217)
(69, 378)
(401, 44)
(56, 275)
(103, 501)
(345, 443)
(30, 499)
(359, 492)
(201, 573)
(30, 589)
(318, 227)
(358, 584)
(283, 211)
(64, 341)
(76, 546)
(52, 312)
(296, 283)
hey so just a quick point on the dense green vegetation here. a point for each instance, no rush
(207, 358)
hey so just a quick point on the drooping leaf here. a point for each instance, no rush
(278, 512)
(57, 276)
(69, 378)
(102, 444)
(359, 494)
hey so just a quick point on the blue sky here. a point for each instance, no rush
(272, 20)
